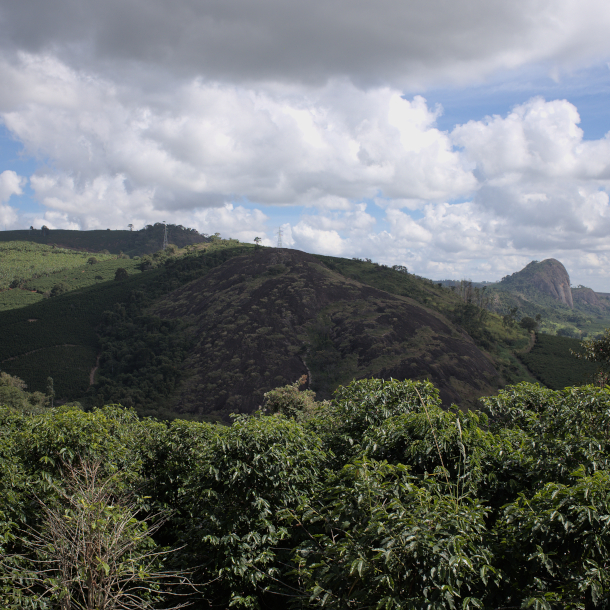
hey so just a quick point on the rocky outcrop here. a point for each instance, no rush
(547, 277)
(586, 296)
(552, 278)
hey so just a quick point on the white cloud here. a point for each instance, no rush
(320, 241)
(10, 184)
(209, 114)
(207, 143)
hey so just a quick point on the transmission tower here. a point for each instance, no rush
(279, 237)
(164, 235)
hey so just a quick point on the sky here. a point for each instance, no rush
(459, 139)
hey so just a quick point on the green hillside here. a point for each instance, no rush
(39, 339)
(206, 330)
(551, 362)
(135, 243)
(21, 261)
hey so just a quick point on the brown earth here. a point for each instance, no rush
(261, 321)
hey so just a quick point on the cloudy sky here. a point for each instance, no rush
(459, 138)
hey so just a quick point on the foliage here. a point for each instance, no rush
(92, 550)
(380, 499)
(121, 274)
(22, 261)
(13, 394)
(59, 337)
(551, 360)
(134, 243)
(292, 401)
(596, 350)
(380, 539)
(528, 323)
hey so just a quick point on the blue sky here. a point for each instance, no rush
(460, 143)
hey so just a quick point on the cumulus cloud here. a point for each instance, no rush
(10, 184)
(215, 114)
(207, 143)
(541, 191)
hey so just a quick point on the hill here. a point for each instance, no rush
(134, 243)
(206, 330)
(548, 278)
(267, 319)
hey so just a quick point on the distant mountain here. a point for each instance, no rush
(543, 288)
(548, 277)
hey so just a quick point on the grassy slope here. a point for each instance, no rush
(20, 261)
(553, 365)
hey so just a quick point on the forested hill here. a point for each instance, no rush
(206, 332)
(267, 318)
(134, 243)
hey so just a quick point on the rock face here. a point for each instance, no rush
(548, 277)
(552, 278)
(588, 297)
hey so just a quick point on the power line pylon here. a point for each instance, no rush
(164, 235)
(279, 237)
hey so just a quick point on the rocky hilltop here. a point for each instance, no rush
(548, 277)
(590, 298)
(268, 319)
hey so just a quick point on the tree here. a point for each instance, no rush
(528, 323)
(92, 260)
(93, 549)
(597, 350)
(130, 226)
(145, 264)
(58, 289)
(121, 274)
(292, 401)
(257, 241)
(50, 390)
(509, 319)
(13, 394)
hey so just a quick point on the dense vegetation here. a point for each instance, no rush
(107, 319)
(378, 499)
(466, 309)
(552, 362)
(147, 240)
